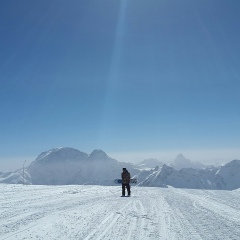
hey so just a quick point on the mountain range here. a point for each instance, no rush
(181, 162)
(65, 166)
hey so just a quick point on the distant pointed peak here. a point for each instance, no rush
(99, 154)
(180, 155)
(98, 151)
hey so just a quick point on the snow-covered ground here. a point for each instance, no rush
(98, 212)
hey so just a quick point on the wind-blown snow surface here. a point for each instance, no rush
(98, 212)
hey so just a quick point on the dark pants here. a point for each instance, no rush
(126, 185)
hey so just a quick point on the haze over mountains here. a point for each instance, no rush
(70, 166)
(65, 166)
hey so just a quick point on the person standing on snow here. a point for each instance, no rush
(126, 177)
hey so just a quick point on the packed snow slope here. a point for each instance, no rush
(98, 212)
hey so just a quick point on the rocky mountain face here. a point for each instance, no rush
(226, 177)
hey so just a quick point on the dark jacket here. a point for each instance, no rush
(126, 177)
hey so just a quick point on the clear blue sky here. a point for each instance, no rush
(122, 76)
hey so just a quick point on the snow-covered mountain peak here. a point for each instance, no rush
(181, 162)
(233, 163)
(157, 177)
(149, 163)
(229, 175)
(70, 166)
(181, 159)
(98, 154)
(61, 154)
(180, 155)
(45, 154)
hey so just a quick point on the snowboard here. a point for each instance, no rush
(133, 180)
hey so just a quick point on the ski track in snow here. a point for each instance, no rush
(98, 212)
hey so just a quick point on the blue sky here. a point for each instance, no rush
(136, 76)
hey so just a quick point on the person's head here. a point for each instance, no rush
(124, 169)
